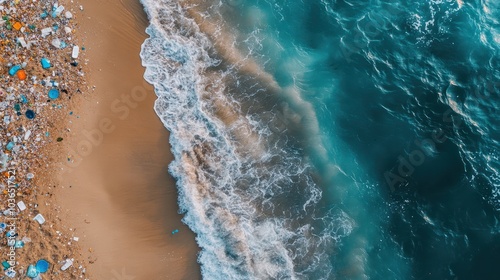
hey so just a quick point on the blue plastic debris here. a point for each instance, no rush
(19, 244)
(10, 146)
(45, 63)
(57, 11)
(30, 114)
(53, 93)
(14, 69)
(24, 99)
(44, 14)
(175, 231)
(32, 272)
(42, 266)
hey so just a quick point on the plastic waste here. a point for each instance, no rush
(45, 63)
(3, 159)
(57, 11)
(14, 69)
(46, 31)
(24, 99)
(26, 137)
(17, 25)
(42, 266)
(21, 74)
(5, 264)
(30, 114)
(75, 52)
(19, 244)
(53, 93)
(56, 43)
(67, 264)
(10, 146)
(39, 218)
(23, 43)
(21, 205)
(32, 272)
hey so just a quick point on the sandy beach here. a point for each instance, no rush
(42, 80)
(116, 191)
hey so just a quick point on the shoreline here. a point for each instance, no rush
(115, 189)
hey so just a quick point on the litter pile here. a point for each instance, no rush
(39, 71)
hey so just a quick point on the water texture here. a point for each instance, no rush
(329, 139)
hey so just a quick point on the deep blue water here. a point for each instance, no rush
(327, 139)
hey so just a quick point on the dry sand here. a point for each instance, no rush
(115, 190)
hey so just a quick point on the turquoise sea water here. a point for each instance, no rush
(329, 139)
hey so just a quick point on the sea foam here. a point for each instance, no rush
(251, 203)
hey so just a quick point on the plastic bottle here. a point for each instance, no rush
(67, 264)
(57, 11)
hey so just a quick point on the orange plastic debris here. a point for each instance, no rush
(21, 74)
(17, 25)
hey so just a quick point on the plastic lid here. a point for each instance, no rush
(42, 266)
(30, 114)
(53, 93)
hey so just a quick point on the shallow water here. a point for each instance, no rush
(331, 139)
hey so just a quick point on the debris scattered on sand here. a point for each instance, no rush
(40, 72)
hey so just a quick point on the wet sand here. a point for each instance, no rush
(116, 190)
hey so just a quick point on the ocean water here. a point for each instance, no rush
(330, 139)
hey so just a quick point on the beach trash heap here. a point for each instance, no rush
(38, 62)
(34, 271)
